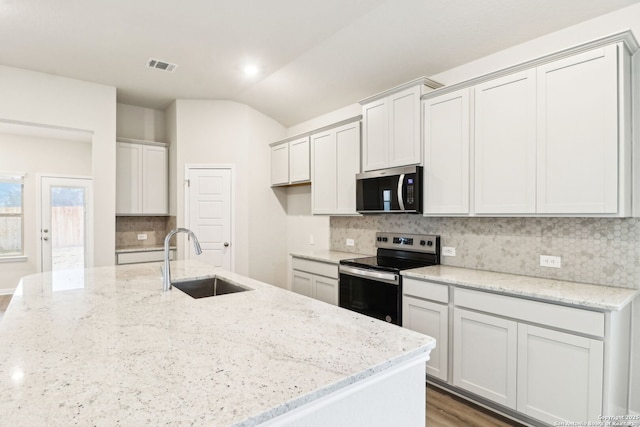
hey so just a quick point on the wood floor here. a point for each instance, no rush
(447, 410)
(443, 409)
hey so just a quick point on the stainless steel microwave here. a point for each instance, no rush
(394, 190)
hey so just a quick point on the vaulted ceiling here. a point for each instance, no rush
(314, 56)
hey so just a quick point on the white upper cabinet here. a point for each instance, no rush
(142, 179)
(299, 160)
(392, 127)
(335, 163)
(446, 154)
(578, 134)
(505, 145)
(550, 137)
(280, 164)
(290, 162)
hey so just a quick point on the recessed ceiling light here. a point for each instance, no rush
(251, 70)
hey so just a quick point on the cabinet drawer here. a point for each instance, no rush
(425, 290)
(557, 316)
(315, 267)
(142, 256)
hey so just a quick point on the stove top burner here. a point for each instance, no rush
(397, 252)
(385, 263)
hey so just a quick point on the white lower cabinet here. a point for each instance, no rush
(551, 375)
(559, 375)
(537, 360)
(315, 279)
(485, 356)
(425, 310)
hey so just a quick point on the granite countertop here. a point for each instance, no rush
(106, 346)
(556, 291)
(125, 249)
(332, 257)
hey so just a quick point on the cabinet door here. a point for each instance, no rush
(348, 165)
(560, 375)
(302, 283)
(280, 164)
(155, 180)
(128, 178)
(404, 128)
(299, 160)
(485, 355)
(446, 154)
(323, 187)
(430, 319)
(578, 134)
(375, 135)
(326, 289)
(505, 145)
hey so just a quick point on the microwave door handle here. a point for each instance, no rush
(400, 188)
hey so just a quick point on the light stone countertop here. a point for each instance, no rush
(332, 257)
(127, 249)
(555, 291)
(106, 346)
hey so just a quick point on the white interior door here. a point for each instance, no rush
(66, 223)
(209, 215)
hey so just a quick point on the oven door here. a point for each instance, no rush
(372, 293)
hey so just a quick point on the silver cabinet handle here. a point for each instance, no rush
(45, 238)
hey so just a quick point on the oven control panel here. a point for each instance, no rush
(428, 243)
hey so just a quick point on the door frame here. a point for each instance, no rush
(187, 217)
(89, 249)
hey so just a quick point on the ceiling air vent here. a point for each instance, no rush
(161, 65)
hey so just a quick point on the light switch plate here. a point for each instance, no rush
(142, 237)
(350, 242)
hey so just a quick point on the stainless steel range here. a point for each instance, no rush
(373, 285)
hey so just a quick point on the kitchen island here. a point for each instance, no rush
(106, 346)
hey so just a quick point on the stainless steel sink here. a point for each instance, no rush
(210, 287)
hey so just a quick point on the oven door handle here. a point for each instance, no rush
(376, 275)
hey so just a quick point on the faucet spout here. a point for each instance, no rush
(166, 270)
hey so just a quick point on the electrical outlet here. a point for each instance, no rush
(351, 242)
(142, 237)
(550, 261)
(448, 251)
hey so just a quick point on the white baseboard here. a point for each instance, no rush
(634, 413)
(7, 291)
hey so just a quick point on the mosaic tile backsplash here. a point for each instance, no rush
(603, 251)
(155, 227)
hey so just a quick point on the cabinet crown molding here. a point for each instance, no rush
(625, 37)
(419, 81)
(322, 129)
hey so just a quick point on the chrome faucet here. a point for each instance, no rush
(166, 271)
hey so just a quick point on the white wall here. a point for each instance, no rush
(140, 123)
(32, 97)
(33, 156)
(226, 132)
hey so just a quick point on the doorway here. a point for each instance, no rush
(66, 223)
(209, 213)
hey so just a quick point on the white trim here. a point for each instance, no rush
(232, 168)
(89, 241)
(12, 258)
(8, 291)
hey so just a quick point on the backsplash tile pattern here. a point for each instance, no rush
(603, 251)
(155, 227)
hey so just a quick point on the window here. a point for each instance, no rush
(11, 215)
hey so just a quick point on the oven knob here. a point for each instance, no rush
(384, 239)
(430, 243)
(422, 243)
(379, 239)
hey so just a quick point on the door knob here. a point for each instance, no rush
(226, 244)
